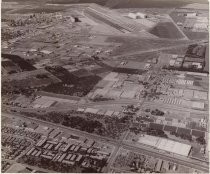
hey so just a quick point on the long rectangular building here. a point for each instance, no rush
(166, 145)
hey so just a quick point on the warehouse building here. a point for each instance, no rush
(132, 15)
(141, 15)
(91, 110)
(197, 65)
(166, 145)
(191, 14)
(138, 15)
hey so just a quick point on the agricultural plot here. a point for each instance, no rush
(184, 131)
(192, 35)
(117, 85)
(170, 128)
(156, 126)
(197, 133)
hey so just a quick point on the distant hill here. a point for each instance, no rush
(133, 3)
(121, 3)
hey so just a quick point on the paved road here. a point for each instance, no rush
(119, 143)
(117, 102)
(114, 102)
(169, 157)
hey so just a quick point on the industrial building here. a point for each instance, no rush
(138, 15)
(132, 15)
(141, 15)
(191, 14)
(166, 145)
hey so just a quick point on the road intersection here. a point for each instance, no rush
(192, 163)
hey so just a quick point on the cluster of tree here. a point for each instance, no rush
(8, 34)
(128, 70)
(136, 130)
(79, 86)
(183, 136)
(101, 98)
(114, 127)
(96, 166)
(83, 124)
(157, 112)
(76, 122)
(156, 132)
(10, 88)
(201, 140)
(120, 161)
(144, 93)
(196, 50)
(42, 76)
(31, 19)
(144, 119)
(132, 108)
(137, 162)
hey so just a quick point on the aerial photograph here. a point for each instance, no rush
(105, 86)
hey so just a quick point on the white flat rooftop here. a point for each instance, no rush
(166, 145)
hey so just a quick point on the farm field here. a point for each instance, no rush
(196, 35)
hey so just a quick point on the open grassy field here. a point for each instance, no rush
(130, 44)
